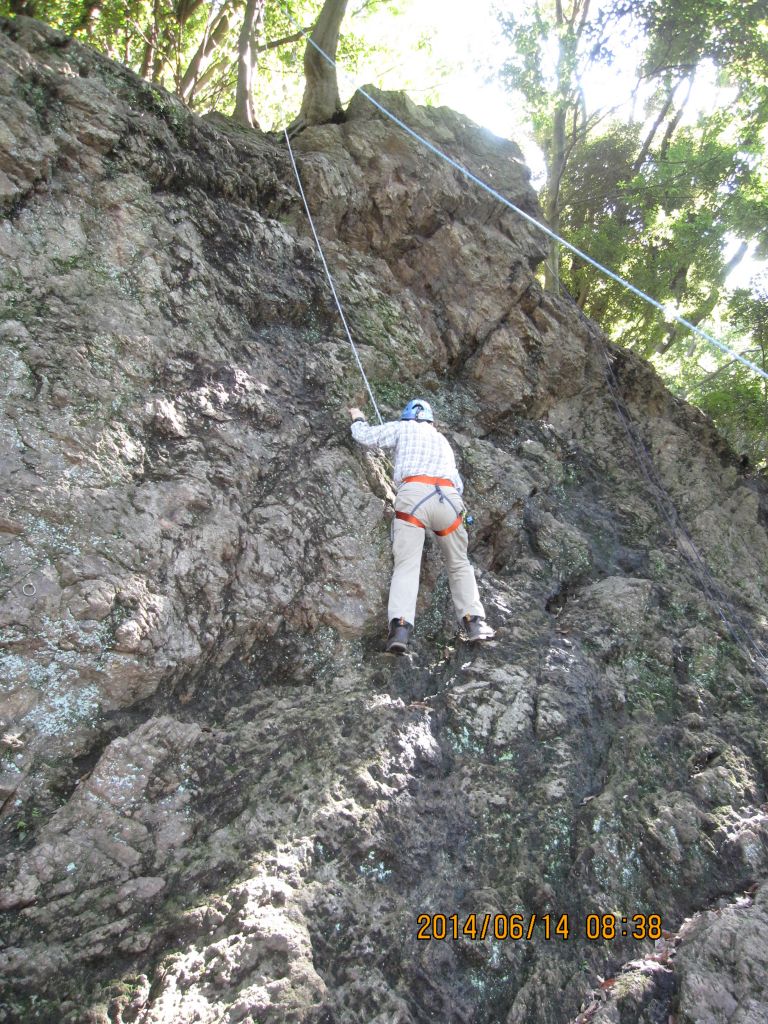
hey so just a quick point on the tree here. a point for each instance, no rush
(552, 44)
(198, 71)
(321, 102)
(665, 192)
(735, 397)
(240, 57)
(253, 19)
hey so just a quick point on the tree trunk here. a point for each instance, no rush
(215, 35)
(246, 61)
(565, 101)
(90, 15)
(152, 62)
(646, 146)
(149, 56)
(321, 102)
(554, 178)
(672, 126)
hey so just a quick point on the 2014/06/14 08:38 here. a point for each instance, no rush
(595, 927)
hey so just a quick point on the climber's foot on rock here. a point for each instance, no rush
(476, 628)
(399, 635)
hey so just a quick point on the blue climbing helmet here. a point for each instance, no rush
(418, 409)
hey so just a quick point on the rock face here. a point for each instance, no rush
(220, 801)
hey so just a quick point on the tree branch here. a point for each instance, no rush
(185, 9)
(275, 43)
(672, 126)
(705, 308)
(645, 148)
(715, 373)
(215, 34)
(89, 14)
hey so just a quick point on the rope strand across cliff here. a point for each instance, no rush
(330, 279)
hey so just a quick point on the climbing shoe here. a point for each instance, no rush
(399, 635)
(477, 628)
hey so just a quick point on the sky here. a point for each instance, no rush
(458, 43)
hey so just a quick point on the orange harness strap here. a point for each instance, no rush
(442, 481)
(449, 529)
(408, 518)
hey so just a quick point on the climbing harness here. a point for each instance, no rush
(668, 314)
(330, 279)
(437, 482)
(408, 518)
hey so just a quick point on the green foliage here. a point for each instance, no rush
(190, 47)
(734, 396)
(661, 189)
(729, 32)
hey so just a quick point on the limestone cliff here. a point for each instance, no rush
(220, 801)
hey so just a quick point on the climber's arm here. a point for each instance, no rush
(384, 436)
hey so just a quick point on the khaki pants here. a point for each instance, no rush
(408, 544)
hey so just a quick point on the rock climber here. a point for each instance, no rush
(429, 491)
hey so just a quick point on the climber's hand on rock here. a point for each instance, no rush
(356, 414)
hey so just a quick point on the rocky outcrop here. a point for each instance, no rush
(220, 801)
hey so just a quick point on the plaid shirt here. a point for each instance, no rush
(419, 449)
